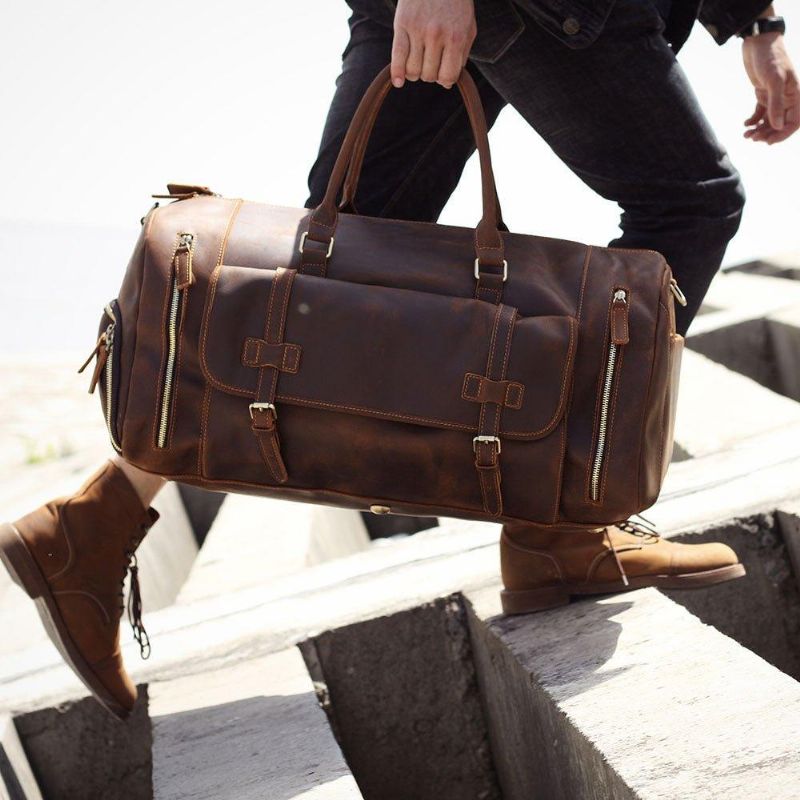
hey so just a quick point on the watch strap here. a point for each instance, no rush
(764, 25)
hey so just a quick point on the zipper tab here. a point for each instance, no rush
(676, 291)
(102, 350)
(620, 336)
(182, 261)
(100, 344)
(619, 318)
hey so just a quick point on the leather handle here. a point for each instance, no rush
(322, 221)
(347, 201)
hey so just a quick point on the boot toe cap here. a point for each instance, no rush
(702, 557)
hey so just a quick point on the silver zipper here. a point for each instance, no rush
(620, 296)
(186, 242)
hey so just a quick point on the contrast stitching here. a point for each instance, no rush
(81, 593)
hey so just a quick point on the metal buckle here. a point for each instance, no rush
(493, 439)
(303, 244)
(263, 407)
(478, 270)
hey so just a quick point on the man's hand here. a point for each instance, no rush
(777, 114)
(432, 39)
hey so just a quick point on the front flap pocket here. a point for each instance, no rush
(390, 353)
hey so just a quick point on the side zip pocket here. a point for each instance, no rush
(619, 336)
(106, 368)
(182, 277)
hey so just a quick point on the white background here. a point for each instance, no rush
(103, 103)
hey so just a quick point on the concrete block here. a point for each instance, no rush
(214, 631)
(769, 592)
(251, 730)
(783, 334)
(631, 697)
(78, 751)
(718, 407)
(403, 700)
(167, 553)
(750, 475)
(738, 297)
(16, 779)
(781, 265)
(788, 521)
(254, 540)
(201, 507)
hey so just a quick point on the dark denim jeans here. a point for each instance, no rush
(619, 113)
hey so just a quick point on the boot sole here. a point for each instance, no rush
(525, 601)
(25, 572)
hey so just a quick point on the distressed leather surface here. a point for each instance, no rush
(386, 364)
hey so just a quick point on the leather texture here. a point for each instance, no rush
(533, 559)
(83, 545)
(360, 371)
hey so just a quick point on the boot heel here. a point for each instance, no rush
(524, 601)
(19, 562)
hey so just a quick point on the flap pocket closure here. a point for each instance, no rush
(395, 354)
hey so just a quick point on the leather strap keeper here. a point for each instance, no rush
(260, 353)
(481, 389)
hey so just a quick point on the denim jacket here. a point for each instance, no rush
(577, 23)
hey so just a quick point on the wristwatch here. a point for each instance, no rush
(763, 25)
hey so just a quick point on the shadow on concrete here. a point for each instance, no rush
(574, 641)
(277, 747)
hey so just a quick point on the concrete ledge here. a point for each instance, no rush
(254, 540)
(718, 407)
(16, 779)
(250, 731)
(631, 697)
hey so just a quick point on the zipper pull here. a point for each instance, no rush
(100, 343)
(184, 275)
(102, 358)
(676, 291)
(101, 350)
(619, 317)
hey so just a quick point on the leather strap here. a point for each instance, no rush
(263, 413)
(481, 389)
(489, 247)
(487, 444)
(347, 202)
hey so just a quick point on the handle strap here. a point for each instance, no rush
(317, 241)
(347, 201)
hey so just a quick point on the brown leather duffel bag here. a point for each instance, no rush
(399, 366)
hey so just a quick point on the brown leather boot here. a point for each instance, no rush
(71, 556)
(542, 568)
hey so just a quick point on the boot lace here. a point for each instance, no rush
(134, 605)
(645, 530)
